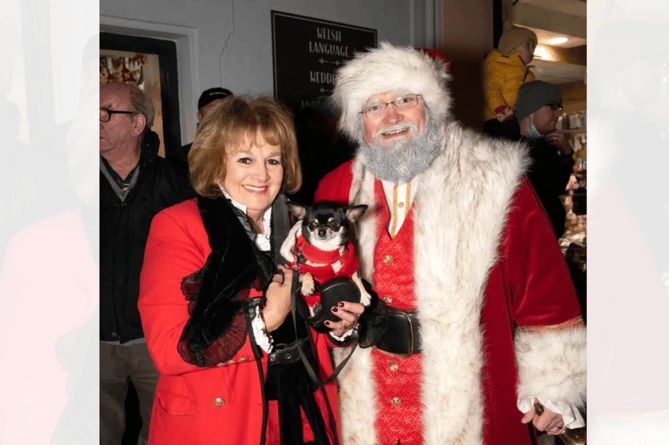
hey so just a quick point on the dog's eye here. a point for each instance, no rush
(334, 225)
(312, 225)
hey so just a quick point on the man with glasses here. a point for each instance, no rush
(538, 109)
(477, 319)
(135, 184)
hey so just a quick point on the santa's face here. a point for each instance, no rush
(396, 123)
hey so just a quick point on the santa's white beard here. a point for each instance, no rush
(401, 161)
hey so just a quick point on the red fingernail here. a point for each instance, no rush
(334, 309)
(341, 304)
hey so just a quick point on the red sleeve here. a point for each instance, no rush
(177, 246)
(336, 185)
(541, 289)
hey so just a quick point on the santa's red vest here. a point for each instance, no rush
(396, 393)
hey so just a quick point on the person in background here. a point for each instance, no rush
(135, 184)
(538, 109)
(207, 102)
(504, 71)
(215, 297)
(477, 318)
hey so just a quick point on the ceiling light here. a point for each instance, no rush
(557, 40)
(541, 52)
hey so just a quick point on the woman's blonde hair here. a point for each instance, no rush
(230, 124)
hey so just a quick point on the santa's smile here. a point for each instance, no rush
(395, 132)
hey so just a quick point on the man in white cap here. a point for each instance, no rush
(477, 318)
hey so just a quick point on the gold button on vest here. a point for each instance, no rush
(393, 366)
(396, 401)
(219, 402)
(388, 259)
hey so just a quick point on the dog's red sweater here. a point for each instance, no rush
(325, 264)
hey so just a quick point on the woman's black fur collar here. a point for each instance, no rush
(230, 268)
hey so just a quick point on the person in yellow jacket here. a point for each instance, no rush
(504, 71)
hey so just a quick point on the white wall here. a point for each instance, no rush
(229, 42)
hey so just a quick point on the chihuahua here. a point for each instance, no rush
(319, 246)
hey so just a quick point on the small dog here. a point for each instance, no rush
(319, 245)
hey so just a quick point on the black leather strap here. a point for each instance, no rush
(283, 355)
(402, 337)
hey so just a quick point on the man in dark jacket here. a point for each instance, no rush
(135, 184)
(538, 108)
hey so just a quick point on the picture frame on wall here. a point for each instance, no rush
(151, 64)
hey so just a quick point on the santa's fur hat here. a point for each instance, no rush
(389, 68)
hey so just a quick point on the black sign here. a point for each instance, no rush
(307, 53)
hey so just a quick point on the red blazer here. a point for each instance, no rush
(201, 405)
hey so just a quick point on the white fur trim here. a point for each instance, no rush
(552, 365)
(390, 68)
(357, 396)
(289, 242)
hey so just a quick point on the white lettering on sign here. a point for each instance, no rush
(321, 77)
(329, 49)
(328, 34)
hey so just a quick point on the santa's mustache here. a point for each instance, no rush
(397, 128)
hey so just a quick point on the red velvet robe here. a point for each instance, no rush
(526, 292)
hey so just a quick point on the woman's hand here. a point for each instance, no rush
(349, 313)
(278, 299)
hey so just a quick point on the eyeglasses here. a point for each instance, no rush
(106, 113)
(555, 106)
(376, 110)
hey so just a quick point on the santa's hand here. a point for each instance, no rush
(349, 313)
(547, 421)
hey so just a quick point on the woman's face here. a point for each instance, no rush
(254, 174)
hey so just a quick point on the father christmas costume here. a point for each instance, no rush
(476, 259)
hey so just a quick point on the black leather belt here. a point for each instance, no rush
(283, 354)
(402, 337)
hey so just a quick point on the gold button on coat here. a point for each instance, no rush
(219, 402)
(387, 299)
(396, 401)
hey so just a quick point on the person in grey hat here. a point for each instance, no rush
(207, 102)
(538, 109)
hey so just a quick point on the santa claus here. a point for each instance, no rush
(482, 319)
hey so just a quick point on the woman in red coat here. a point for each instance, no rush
(214, 305)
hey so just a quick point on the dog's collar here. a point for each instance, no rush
(316, 255)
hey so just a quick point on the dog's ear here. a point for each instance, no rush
(355, 212)
(298, 210)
